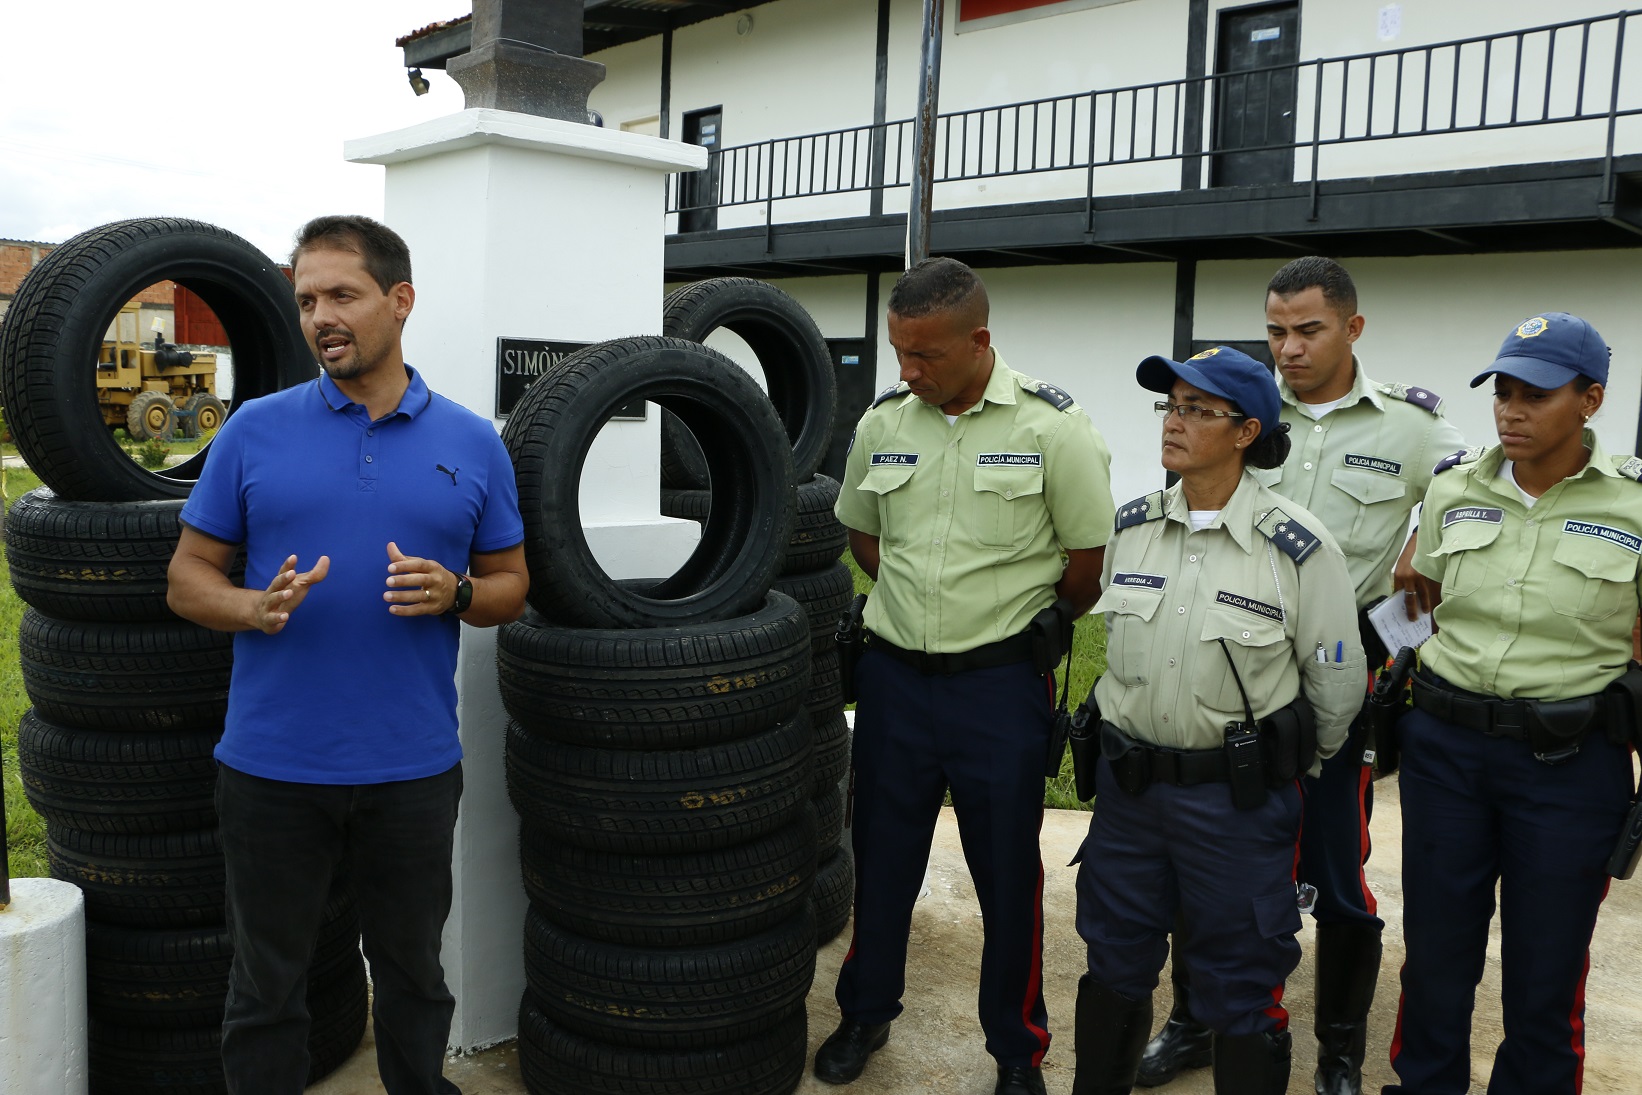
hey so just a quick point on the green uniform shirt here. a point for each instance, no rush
(971, 518)
(1536, 601)
(1171, 593)
(1363, 468)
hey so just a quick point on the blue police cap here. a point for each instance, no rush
(1222, 371)
(1549, 350)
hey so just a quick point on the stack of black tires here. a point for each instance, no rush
(661, 751)
(128, 700)
(798, 372)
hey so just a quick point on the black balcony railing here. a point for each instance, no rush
(1559, 74)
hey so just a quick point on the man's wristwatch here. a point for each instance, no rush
(464, 596)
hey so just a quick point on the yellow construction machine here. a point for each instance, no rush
(152, 390)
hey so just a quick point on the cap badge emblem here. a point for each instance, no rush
(1210, 352)
(1533, 328)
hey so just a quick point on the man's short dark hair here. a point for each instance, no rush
(940, 285)
(387, 259)
(1316, 272)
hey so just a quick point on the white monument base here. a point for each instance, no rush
(43, 1007)
(531, 228)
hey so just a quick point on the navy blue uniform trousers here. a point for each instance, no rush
(1230, 872)
(1479, 810)
(1334, 840)
(984, 734)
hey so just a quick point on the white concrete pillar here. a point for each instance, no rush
(43, 988)
(525, 227)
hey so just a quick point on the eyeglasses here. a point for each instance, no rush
(1191, 412)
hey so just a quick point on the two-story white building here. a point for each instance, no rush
(1129, 173)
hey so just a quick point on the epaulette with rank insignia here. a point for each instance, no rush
(1055, 397)
(1423, 398)
(1630, 467)
(1291, 537)
(1148, 507)
(1464, 456)
(891, 392)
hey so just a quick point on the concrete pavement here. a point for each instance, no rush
(936, 1047)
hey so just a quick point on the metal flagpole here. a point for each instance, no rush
(923, 175)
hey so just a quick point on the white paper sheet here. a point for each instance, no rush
(1396, 630)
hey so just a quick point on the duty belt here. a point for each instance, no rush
(1180, 767)
(1498, 718)
(1016, 648)
(1553, 729)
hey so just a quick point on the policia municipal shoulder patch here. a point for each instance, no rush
(1138, 511)
(1291, 537)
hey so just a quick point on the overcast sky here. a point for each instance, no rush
(220, 110)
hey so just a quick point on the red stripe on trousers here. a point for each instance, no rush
(1364, 778)
(1576, 1017)
(1034, 981)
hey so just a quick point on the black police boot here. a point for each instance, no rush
(1019, 1081)
(844, 1054)
(1348, 965)
(1111, 1033)
(1182, 1043)
(1251, 1064)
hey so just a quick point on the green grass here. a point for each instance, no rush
(25, 832)
(1088, 663)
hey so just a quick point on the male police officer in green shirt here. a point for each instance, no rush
(1362, 457)
(976, 497)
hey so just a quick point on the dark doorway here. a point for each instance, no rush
(855, 363)
(1260, 351)
(698, 196)
(1254, 94)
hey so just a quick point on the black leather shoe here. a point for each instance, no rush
(1019, 1081)
(1182, 1043)
(844, 1054)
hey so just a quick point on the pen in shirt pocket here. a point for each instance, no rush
(1322, 657)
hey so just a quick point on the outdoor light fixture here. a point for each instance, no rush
(418, 82)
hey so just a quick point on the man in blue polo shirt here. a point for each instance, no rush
(374, 515)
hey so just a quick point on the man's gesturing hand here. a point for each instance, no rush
(417, 587)
(286, 592)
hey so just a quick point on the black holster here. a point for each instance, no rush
(1051, 637)
(1557, 728)
(1625, 728)
(1387, 704)
(1625, 707)
(851, 638)
(1083, 732)
(1288, 742)
(1051, 632)
(1127, 759)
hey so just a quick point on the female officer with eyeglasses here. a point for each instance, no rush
(1225, 604)
(1508, 772)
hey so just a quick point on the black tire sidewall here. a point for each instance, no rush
(56, 325)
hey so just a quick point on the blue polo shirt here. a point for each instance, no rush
(348, 692)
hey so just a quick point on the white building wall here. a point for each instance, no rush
(1438, 321)
(1435, 321)
(808, 66)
